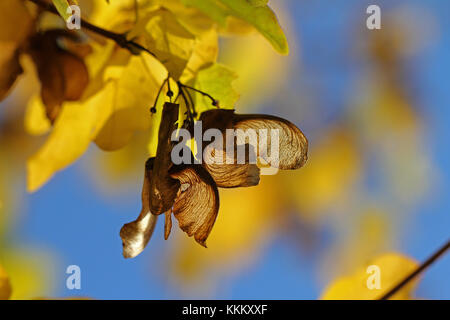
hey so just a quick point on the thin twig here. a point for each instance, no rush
(194, 112)
(169, 92)
(119, 38)
(214, 101)
(187, 104)
(416, 272)
(153, 109)
(131, 45)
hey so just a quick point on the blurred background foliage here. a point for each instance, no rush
(373, 106)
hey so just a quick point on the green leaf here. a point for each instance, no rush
(255, 12)
(63, 8)
(217, 82)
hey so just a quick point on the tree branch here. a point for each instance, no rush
(416, 272)
(119, 38)
(134, 47)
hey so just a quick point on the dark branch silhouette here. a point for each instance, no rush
(416, 272)
(119, 38)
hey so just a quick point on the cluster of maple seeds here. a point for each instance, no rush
(190, 191)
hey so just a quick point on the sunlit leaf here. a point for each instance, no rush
(217, 82)
(164, 36)
(249, 56)
(29, 272)
(393, 268)
(36, 121)
(260, 16)
(205, 53)
(135, 89)
(75, 127)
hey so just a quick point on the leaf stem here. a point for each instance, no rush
(416, 272)
(169, 92)
(191, 101)
(131, 45)
(191, 117)
(153, 109)
(214, 101)
(119, 38)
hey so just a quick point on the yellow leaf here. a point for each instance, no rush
(135, 90)
(5, 285)
(29, 272)
(249, 55)
(164, 36)
(214, 8)
(75, 127)
(78, 122)
(192, 19)
(118, 16)
(393, 268)
(205, 54)
(36, 121)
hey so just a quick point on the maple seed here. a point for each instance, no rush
(163, 188)
(62, 73)
(190, 191)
